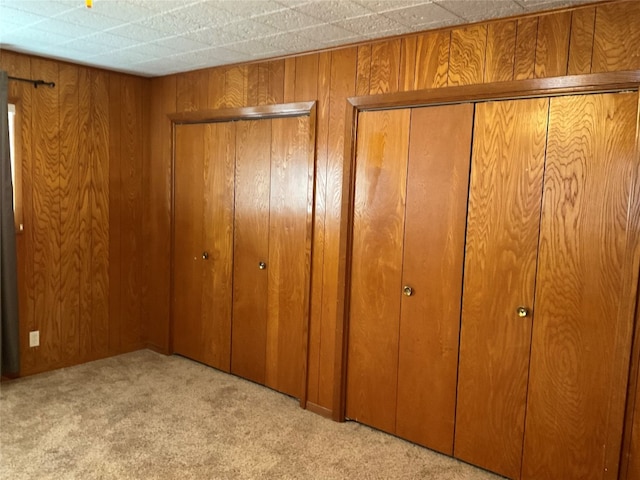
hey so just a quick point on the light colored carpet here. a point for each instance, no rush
(147, 416)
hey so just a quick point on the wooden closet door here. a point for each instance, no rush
(376, 268)
(500, 266)
(251, 247)
(188, 246)
(203, 235)
(583, 320)
(435, 221)
(289, 263)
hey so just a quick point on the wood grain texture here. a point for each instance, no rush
(408, 47)
(101, 221)
(46, 217)
(575, 390)
(581, 41)
(376, 266)
(216, 80)
(385, 67)
(235, 86)
(288, 266)
(217, 220)
(289, 80)
(500, 266)
(70, 246)
(131, 247)
(323, 128)
(343, 85)
(434, 235)
(616, 37)
(157, 217)
(467, 55)
(363, 78)
(525, 55)
(432, 60)
(552, 47)
(276, 82)
(501, 51)
(188, 241)
(193, 90)
(306, 80)
(630, 463)
(251, 246)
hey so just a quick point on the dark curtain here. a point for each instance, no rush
(9, 330)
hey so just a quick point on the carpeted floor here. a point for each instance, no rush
(148, 416)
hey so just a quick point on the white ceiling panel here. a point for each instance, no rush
(158, 37)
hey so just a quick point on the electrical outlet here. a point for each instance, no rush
(34, 338)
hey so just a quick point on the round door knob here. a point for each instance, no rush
(262, 265)
(407, 290)
(522, 312)
(205, 255)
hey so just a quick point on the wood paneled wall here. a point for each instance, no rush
(590, 39)
(83, 145)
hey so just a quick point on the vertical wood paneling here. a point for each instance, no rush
(501, 48)
(385, 67)
(323, 128)
(289, 80)
(617, 37)
(581, 41)
(432, 60)
(467, 55)
(157, 215)
(363, 79)
(552, 48)
(276, 82)
(525, 55)
(102, 318)
(343, 85)
(46, 215)
(216, 88)
(70, 247)
(306, 78)
(130, 214)
(84, 212)
(408, 48)
(193, 91)
(235, 83)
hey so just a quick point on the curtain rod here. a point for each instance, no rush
(34, 82)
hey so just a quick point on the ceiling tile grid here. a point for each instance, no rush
(159, 37)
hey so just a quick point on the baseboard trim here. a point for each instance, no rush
(319, 410)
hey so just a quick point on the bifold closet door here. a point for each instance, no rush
(274, 198)
(582, 316)
(203, 236)
(412, 168)
(507, 170)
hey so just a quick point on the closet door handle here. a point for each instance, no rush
(407, 290)
(205, 255)
(522, 312)
(262, 265)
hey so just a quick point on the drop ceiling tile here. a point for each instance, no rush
(180, 43)
(19, 17)
(71, 30)
(536, 5)
(473, 10)
(249, 28)
(191, 17)
(332, 10)
(288, 20)
(423, 15)
(379, 6)
(213, 36)
(91, 19)
(101, 41)
(250, 8)
(369, 24)
(253, 47)
(119, 57)
(122, 9)
(138, 32)
(33, 36)
(290, 42)
(150, 50)
(325, 32)
(43, 8)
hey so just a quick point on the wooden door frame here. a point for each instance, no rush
(261, 112)
(547, 87)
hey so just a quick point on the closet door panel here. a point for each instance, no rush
(251, 246)
(579, 359)
(188, 247)
(500, 266)
(218, 193)
(436, 210)
(289, 256)
(376, 269)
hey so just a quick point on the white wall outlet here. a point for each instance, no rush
(34, 338)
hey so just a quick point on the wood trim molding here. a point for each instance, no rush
(243, 113)
(545, 87)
